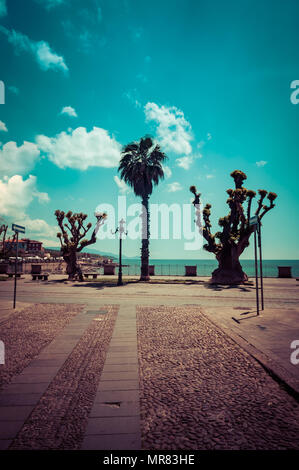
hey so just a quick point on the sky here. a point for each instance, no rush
(214, 83)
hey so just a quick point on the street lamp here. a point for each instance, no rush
(121, 231)
(259, 234)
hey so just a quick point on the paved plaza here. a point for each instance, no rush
(130, 360)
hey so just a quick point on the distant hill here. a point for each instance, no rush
(96, 252)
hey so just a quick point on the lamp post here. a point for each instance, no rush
(17, 229)
(256, 274)
(121, 231)
(254, 222)
(261, 261)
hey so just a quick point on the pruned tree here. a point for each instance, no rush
(6, 248)
(72, 238)
(229, 243)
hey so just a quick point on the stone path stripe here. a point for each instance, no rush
(19, 398)
(114, 421)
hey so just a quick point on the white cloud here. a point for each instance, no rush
(14, 159)
(3, 126)
(174, 131)
(51, 243)
(173, 187)
(81, 149)
(167, 171)
(48, 59)
(3, 8)
(40, 227)
(16, 194)
(45, 57)
(261, 163)
(209, 136)
(123, 187)
(209, 176)
(184, 162)
(69, 110)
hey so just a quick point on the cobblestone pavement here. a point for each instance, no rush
(200, 390)
(25, 333)
(60, 418)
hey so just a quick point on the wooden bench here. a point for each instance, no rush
(43, 276)
(12, 274)
(94, 275)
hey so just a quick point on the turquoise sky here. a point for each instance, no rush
(211, 81)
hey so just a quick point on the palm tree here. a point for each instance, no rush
(141, 168)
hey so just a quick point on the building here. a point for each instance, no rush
(33, 246)
(25, 246)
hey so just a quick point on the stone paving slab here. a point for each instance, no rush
(38, 370)
(15, 413)
(9, 429)
(19, 400)
(22, 389)
(4, 443)
(119, 376)
(32, 378)
(50, 362)
(114, 421)
(112, 425)
(122, 355)
(124, 408)
(118, 385)
(116, 396)
(121, 360)
(120, 368)
(125, 348)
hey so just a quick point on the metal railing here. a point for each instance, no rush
(203, 270)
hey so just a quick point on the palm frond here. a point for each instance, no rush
(141, 165)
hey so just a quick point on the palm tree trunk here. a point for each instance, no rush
(145, 240)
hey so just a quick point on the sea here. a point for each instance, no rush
(176, 267)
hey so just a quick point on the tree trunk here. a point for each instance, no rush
(145, 240)
(72, 269)
(230, 270)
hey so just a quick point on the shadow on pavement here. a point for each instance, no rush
(220, 287)
(113, 283)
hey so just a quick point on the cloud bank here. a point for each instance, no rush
(20, 160)
(81, 149)
(41, 51)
